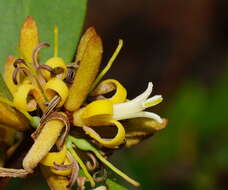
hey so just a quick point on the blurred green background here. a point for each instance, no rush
(182, 47)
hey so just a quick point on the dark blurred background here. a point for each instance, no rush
(182, 47)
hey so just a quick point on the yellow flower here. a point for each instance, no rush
(60, 100)
(110, 111)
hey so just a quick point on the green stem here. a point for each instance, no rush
(107, 67)
(116, 170)
(86, 146)
(80, 162)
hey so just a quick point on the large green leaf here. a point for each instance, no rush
(68, 15)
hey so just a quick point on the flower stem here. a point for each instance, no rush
(86, 146)
(107, 67)
(116, 170)
(80, 162)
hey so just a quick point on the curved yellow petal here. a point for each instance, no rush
(120, 94)
(97, 108)
(27, 96)
(21, 97)
(99, 113)
(58, 65)
(66, 172)
(8, 74)
(57, 157)
(93, 114)
(110, 143)
(56, 86)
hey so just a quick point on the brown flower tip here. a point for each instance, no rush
(29, 22)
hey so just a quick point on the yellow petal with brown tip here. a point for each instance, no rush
(90, 32)
(86, 74)
(8, 74)
(28, 38)
(139, 129)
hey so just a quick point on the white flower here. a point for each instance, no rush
(135, 108)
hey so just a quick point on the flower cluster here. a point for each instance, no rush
(75, 118)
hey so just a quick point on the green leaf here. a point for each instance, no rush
(68, 15)
(114, 186)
